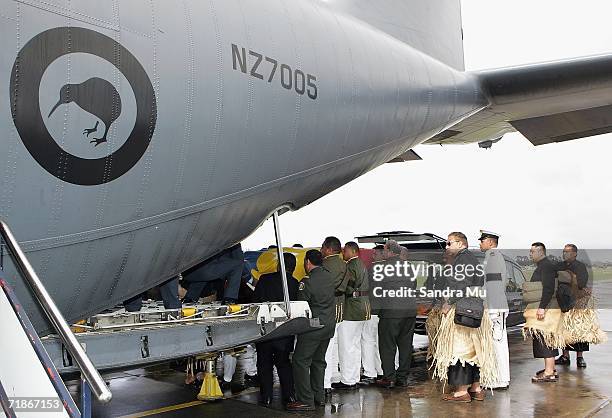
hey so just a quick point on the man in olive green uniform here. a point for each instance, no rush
(309, 355)
(356, 312)
(397, 320)
(331, 249)
(370, 356)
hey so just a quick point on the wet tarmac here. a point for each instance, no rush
(159, 391)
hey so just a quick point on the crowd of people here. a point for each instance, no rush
(365, 339)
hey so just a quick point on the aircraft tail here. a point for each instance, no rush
(431, 26)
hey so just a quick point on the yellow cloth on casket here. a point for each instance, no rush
(267, 262)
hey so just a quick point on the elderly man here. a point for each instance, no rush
(397, 319)
(583, 291)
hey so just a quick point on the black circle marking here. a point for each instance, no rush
(28, 69)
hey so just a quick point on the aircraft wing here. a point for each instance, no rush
(548, 102)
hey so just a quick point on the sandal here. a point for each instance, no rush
(544, 378)
(466, 398)
(477, 396)
(555, 372)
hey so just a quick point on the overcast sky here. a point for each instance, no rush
(555, 193)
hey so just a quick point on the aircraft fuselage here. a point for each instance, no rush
(228, 110)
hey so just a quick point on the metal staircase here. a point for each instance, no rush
(29, 381)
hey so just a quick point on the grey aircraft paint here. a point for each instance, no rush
(220, 112)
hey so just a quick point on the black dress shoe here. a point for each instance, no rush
(580, 362)
(299, 407)
(251, 380)
(562, 361)
(233, 387)
(365, 380)
(265, 401)
(343, 386)
(401, 383)
(229, 301)
(385, 383)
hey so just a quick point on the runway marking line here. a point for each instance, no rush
(164, 409)
(598, 409)
(181, 406)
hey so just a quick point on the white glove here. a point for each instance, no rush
(498, 327)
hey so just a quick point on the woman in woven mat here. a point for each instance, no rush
(463, 356)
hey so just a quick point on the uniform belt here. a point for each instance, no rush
(494, 277)
(359, 293)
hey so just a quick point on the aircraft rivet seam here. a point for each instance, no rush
(189, 106)
(82, 17)
(8, 17)
(216, 133)
(11, 169)
(149, 153)
(70, 13)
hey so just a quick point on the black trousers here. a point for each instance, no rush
(270, 354)
(459, 375)
(225, 268)
(169, 294)
(578, 347)
(541, 350)
(395, 334)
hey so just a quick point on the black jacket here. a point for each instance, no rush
(579, 269)
(465, 274)
(269, 288)
(545, 272)
(394, 306)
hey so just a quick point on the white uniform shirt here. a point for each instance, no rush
(496, 279)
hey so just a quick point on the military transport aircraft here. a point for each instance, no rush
(139, 138)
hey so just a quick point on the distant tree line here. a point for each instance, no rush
(523, 260)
